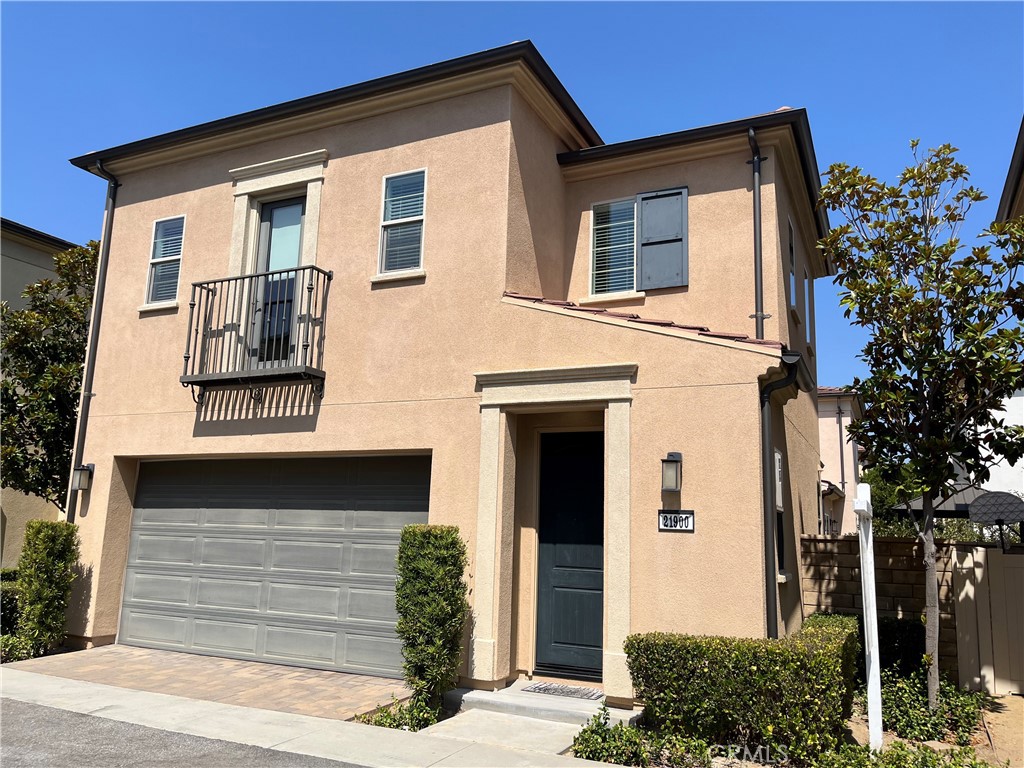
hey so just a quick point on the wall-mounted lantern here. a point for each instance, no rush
(81, 476)
(672, 472)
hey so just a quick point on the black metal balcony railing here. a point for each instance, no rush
(255, 329)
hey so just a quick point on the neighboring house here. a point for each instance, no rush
(438, 296)
(1006, 477)
(26, 257)
(840, 459)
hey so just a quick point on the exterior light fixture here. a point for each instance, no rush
(672, 472)
(81, 476)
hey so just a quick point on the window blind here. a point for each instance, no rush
(614, 247)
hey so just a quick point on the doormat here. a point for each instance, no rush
(572, 691)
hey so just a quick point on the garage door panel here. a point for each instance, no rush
(231, 594)
(288, 561)
(165, 550)
(167, 516)
(158, 588)
(372, 605)
(154, 628)
(238, 518)
(374, 559)
(233, 553)
(232, 636)
(373, 653)
(305, 600)
(308, 556)
(326, 519)
(295, 643)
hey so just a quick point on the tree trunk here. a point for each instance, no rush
(931, 602)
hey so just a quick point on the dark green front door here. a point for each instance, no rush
(570, 590)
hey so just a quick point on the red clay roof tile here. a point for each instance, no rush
(631, 317)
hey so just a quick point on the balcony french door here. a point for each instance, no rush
(274, 301)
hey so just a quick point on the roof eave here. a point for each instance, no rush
(1013, 188)
(795, 119)
(524, 51)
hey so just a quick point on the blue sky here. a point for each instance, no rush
(76, 77)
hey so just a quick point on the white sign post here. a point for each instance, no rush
(862, 506)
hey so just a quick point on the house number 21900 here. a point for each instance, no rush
(676, 520)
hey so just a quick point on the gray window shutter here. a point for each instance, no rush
(662, 240)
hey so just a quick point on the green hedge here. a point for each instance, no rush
(791, 695)
(8, 607)
(900, 755)
(45, 574)
(430, 597)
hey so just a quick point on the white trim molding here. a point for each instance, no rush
(504, 392)
(263, 182)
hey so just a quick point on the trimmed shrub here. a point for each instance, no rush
(430, 597)
(900, 755)
(626, 745)
(405, 715)
(905, 709)
(14, 648)
(845, 630)
(45, 574)
(8, 574)
(8, 607)
(790, 696)
(900, 643)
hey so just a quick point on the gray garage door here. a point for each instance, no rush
(288, 561)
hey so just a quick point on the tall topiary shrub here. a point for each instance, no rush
(430, 597)
(45, 574)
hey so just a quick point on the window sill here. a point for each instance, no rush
(611, 298)
(393, 277)
(158, 307)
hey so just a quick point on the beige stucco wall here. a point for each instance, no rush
(16, 509)
(21, 264)
(401, 357)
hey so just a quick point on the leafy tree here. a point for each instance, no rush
(946, 344)
(42, 351)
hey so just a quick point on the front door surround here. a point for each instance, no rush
(505, 392)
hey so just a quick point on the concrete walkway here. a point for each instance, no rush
(352, 744)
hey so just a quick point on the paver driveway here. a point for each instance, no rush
(317, 693)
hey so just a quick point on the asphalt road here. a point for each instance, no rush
(42, 737)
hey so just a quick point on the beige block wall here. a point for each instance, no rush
(830, 573)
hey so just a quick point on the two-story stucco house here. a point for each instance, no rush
(840, 459)
(438, 296)
(26, 257)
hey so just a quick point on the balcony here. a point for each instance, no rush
(257, 329)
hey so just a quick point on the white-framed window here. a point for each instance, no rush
(613, 244)
(639, 244)
(165, 260)
(401, 235)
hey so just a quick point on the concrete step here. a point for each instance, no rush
(539, 706)
(484, 726)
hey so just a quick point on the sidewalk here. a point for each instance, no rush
(352, 744)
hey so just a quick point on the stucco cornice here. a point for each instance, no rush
(305, 160)
(553, 375)
(539, 386)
